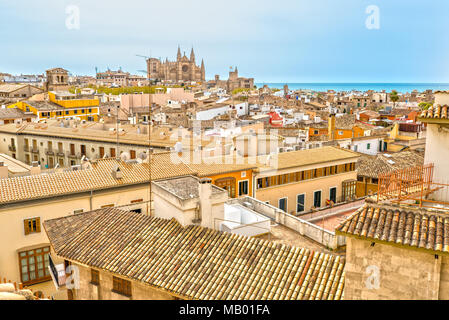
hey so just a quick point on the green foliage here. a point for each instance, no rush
(425, 105)
(240, 90)
(394, 96)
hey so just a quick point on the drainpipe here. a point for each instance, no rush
(90, 200)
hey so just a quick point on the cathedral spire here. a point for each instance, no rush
(203, 71)
(192, 56)
(179, 53)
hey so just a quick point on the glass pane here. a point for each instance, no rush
(46, 249)
(25, 277)
(23, 254)
(32, 267)
(31, 252)
(41, 273)
(38, 250)
(31, 260)
(39, 258)
(40, 265)
(46, 257)
(32, 276)
(47, 273)
(23, 262)
(25, 269)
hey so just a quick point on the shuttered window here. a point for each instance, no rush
(121, 286)
(32, 225)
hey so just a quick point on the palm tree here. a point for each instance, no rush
(394, 97)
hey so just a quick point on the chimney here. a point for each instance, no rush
(117, 173)
(205, 193)
(331, 127)
(3, 170)
(35, 168)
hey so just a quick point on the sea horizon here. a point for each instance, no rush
(357, 86)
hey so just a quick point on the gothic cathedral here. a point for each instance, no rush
(183, 69)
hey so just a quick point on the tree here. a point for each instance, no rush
(424, 105)
(394, 97)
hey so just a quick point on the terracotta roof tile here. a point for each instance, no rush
(194, 262)
(435, 112)
(410, 227)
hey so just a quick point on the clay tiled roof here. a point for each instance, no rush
(373, 166)
(194, 262)
(96, 178)
(285, 160)
(435, 112)
(421, 229)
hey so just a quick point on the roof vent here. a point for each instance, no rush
(117, 173)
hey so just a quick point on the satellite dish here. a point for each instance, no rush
(125, 156)
(142, 156)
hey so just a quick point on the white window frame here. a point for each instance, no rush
(304, 205)
(240, 195)
(286, 203)
(321, 199)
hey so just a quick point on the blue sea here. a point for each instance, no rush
(388, 87)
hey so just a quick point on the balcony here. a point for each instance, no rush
(26, 148)
(49, 152)
(74, 155)
(60, 153)
(12, 148)
(34, 150)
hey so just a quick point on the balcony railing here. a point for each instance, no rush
(49, 152)
(26, 148)
(34, 150)
(74, 155)
(12, 148)
(60, 153)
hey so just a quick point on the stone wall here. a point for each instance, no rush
(88, 291)
(389, 272)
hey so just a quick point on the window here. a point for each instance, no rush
(333, 194)
(259, 184)
(340, 133)
(78, 211)
(243, 188)
(300, 202)
(112, 152)
(315, 132)
(32, 225)
(317, 199)
(34, 265)
(368, 146)
(283, 204)
(94, 277)
(121, 286)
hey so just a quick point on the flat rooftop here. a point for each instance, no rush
(185, 187)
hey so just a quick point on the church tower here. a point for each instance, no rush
(179, 54)
(203, 71)
(192, 56)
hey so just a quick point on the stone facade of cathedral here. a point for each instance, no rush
(182, 70)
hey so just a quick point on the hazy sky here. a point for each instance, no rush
(273, 40)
